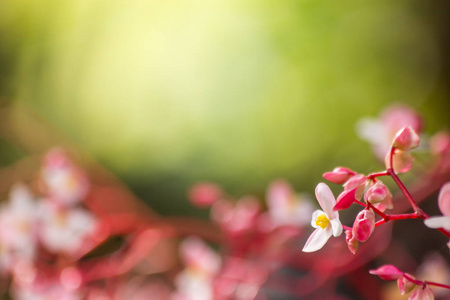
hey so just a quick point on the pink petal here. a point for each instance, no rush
(444, 199)
(345, 200)
(326, 200)
(317, 239)
(438, 222)
(387, 272)
(402, 161)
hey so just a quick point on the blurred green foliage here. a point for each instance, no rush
(167, 93)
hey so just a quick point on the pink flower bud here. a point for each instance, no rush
(387, 272)
(345, 200)
(402, 161)
(364, 225)
(376, 193)
(352, 242)
(405, 285)
(424, 293)
(339, 175)
(406, 139)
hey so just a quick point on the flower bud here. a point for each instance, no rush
(352, 242)
(405, 285)
(345, 200)
(339, 175)
(357, 182)
(406, 139)
(364, 225)
(387, 272)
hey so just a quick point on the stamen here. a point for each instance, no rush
(322, 221)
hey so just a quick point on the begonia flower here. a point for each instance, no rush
(444, 207)
(326, 221)
(236, 217)
(285, 207)
(422, 293)
(358, 183)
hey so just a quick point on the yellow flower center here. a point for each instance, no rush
(322, 221)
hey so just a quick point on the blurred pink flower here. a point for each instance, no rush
(64, 229)
(201, 265)
(18, 219)
(66, 183)
(285, 207)
(381, 131)
(326, 222)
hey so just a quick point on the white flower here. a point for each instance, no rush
(326, 222)
(444, 207)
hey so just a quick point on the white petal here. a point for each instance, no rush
(314, 217)
(326, 200)
(336, 227)
(438, 222)
(317, 239)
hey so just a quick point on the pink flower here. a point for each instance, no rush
(64, 230)
(18, 220)
(285, 207)
(326, 222)
(66, 183)
(195, 282)
(444, 207)
(423, 293)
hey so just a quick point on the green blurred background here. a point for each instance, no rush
(167, 93)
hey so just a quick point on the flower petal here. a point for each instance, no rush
(336, 227)
(326, 200)
(444, 199)
(438, 222)
(317, 239)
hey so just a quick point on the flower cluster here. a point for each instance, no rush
(402, 126)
